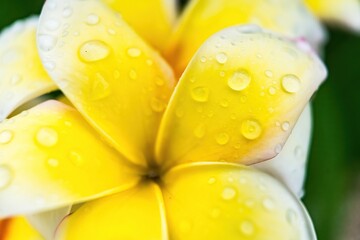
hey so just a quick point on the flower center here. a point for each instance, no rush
(153, 173)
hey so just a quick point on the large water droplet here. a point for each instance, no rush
(92, 19)
(94, 50)
(52, 24)
(200, 94)
(228, 193)
(222, 138)
(291, 83)
(47, 137)
(239, 80)
(100, 88)
(6, 136)
(6, 176)
(221, 58)
(134, 52)
(247, 228)
(47, 42)
(251, 129)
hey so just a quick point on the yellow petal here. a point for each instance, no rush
(290, 165)
(50, 157)
(111, 76)
(134, 214)
(224, 201)
(233, 98)
(153, 20)
(18, 229)
(344, 12)
(22, 75)
(202, 18)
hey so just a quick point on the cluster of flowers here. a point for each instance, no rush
(164, 125)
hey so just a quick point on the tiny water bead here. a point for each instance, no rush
(134, 52)
(247, 228)
(278, 148)
(52, 162)
(251, 129)
(6, 176)
(6, 136)
(211, 180)
(47, 42)
(47, 137)
(94, 50)
(92, 19)
(228, 193)
(200, 131)
(76, 158)
(221, 58)
(222, 138)
(285, 126)
(268, 204)
(157, 105)
(291, 216)
(15, 79)
(291, 83)
(67, 12)
(239, 80)
(100, 88)
(200, 94)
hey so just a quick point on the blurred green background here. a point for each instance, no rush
(334, 167)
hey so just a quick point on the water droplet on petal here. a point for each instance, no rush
(272, 91)
(52, 162)
(67, 12)
(200, 131)
(15, 79)
(134, 52)
(100, 88)
(6, 136)
(291, 216)
(268, 204)
(200, 94)
(221, 58)
(6, 176)
(239, 80)
(269, 73)
(76, 158)
(94, 50)
(47, 137)
(278, 148)
(52, 24)
(211, 180)
(285, 126)
(228, 193)
(92, 19)
(132, 74)
(247, 228)
(157, 105)
(251, 129)
(222, 138)
(47, 42)
(291, 83)
(298, 152)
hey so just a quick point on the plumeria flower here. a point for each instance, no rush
(134, 157)
(344, 12)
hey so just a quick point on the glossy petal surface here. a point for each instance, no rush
(22, 75)
(202, 18)
(239, 86)
(224, 201)
(18, 229)
(134, 214)
(111, 76)
(160, 17)
(289, 166)
(344, 12)
(50, 157)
